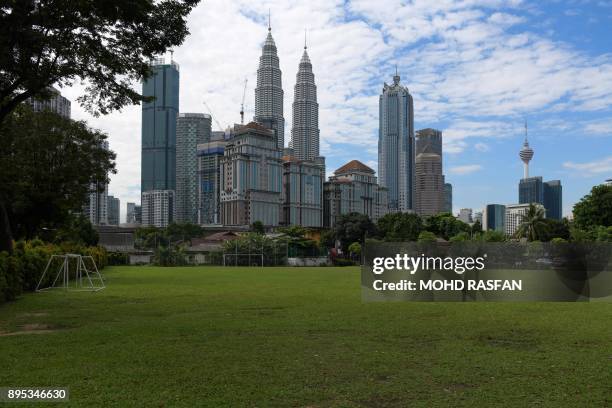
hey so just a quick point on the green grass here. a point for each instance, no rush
(299, 337)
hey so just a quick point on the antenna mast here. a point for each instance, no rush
(242, 104)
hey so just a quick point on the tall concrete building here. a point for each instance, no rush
(448, 198)
(96, 207)
(209, 180)
(429, 180)
(303, 192)
(114, 210)
(269, 91)
(494, 218)
(251, 178)
(305, 129)
(353, 188)
(157, 208)
(430, 140)
(158, 166)
(56, 103)
(191, 129)
(531, 190)
(465, 215)
(396, 148)
(514, 216)
(130, 213)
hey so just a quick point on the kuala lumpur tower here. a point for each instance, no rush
(526, 154)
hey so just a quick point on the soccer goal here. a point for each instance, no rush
(73, 272)
(243, 259)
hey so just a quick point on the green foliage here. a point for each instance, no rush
(592, 234)
(182, 232)
(328, 238)
(258, 227)
(47, 167)
(558, 240)
(274, 251)
(117, 258)
(294, 231)
(343, 262)
(78, 230)
(595, 208)
(460, 237)
(171, 255)
(355, 249)
(353, 227)
(400, 227)
(555, 229)
(533, 225)
(150, 237)
(445, 225)
(493, 236)
(427, 236)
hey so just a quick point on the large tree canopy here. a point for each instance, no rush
(106, 43)
(595, 208)
(47, 166)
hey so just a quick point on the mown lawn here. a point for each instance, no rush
(299, 337)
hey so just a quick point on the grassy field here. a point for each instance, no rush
(299, 337)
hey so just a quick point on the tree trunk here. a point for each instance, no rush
(6, 237)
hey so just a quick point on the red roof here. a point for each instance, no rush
(354, 165)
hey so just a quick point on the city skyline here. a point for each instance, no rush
(356, 49)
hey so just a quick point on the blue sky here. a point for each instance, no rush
(477, 70)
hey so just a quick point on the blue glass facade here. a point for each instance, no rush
(158, 168)
(495, 217)
(531, 190)
(553, 201)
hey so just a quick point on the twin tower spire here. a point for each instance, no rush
(269, 101)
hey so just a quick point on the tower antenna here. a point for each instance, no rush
(242, 104)
(269, 21)
(305, 38)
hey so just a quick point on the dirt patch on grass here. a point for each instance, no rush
(33, 314)
(31, 328)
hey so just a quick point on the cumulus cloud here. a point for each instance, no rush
(465, 169)
(591, 168)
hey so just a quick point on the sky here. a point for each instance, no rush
(477, 70)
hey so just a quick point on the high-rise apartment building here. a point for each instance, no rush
(114, 210)
(251, 177)
(305, 129)
(209, 180)
(303, 192)
(269, 91)
(448, 198)
(494, 218)
(396, 148)
(514, 216)
(192, 129)
(353, 188)
(96, 207)
(130, 213)
(158, 166)
(55, 103)
(157, 208)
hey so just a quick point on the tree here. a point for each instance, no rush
(186, 231)
(78, 230)
(353, 227)
(400, 227)
(595, 208)
(493, 236)
(445, 225)
(427, 236)
(555, 229)
(533, 224)
(47, 166)
(106, 44)
(355, 249)
(460, 237)
(258, 228)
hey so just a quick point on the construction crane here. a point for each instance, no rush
(242, 104)
(213, 116)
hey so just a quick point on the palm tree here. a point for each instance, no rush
(532, 224)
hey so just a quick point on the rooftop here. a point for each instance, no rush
(354, 165)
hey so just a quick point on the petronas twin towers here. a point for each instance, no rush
(269, 102)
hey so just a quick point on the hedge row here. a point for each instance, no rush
(21, 271)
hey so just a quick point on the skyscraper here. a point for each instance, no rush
(55, 103)
(96, 207)
(251, 178)
(465, 215)
(553, 201)
(531, 190)
(130, 214)
(157, 208)
(302, 192)
(396, 155)
(494, 218)
(514, 216)
(114, 211)
(429, 186)
(269, 91)
(210, 155)
(191, 129)
(159, 127)
(448, 198)
(305, 129)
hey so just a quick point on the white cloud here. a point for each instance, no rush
(591, 168)
(465, 169)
